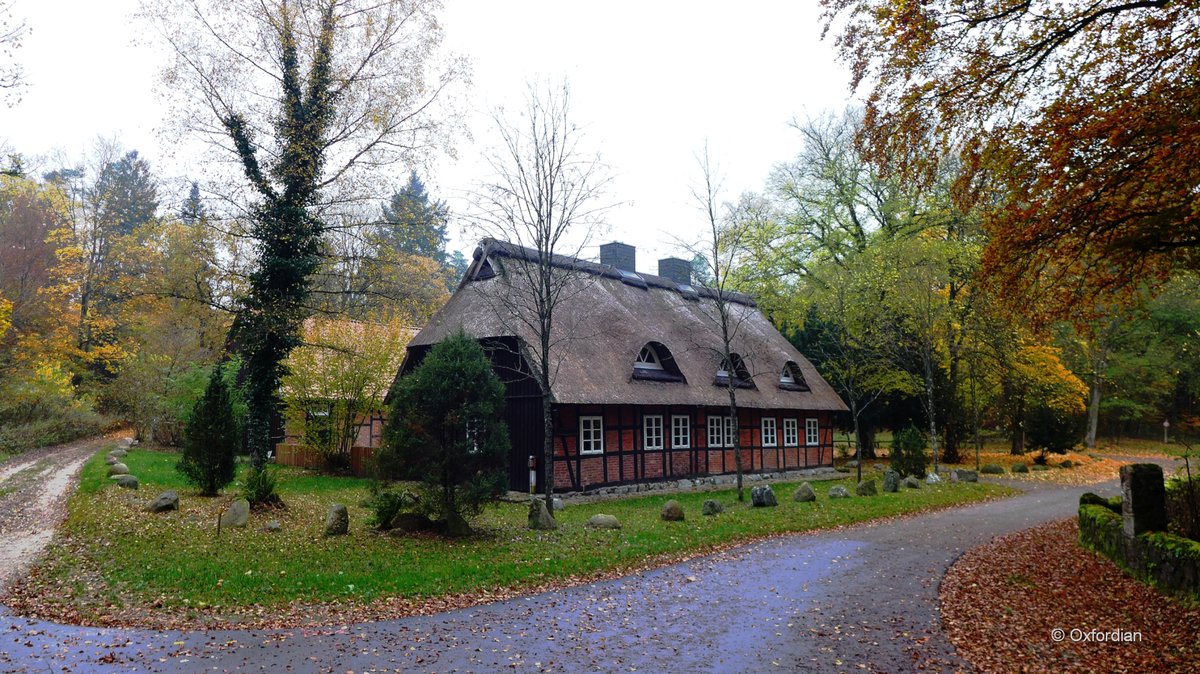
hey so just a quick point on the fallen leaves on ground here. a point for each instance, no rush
(1003, 602)
(79, 595)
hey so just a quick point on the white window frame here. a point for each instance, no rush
(791, 433)
(652, 363)
(649, 422)
(812, 432)
(715, 429)
(731, 429)
(770, 438)
(683, 431)
(591, 433)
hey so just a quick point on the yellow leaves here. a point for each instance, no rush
(1042, 370)
(5, 316)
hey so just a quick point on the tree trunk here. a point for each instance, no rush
(1093, 412)
(737, 434)
(1017, 430)
(858, 454)
(866, 439)
(932, 408)
(548, 451)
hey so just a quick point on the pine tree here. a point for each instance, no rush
(447, 431)
(211, 439)
(414, 223)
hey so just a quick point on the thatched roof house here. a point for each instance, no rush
(639, 390)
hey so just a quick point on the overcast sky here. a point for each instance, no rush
(651, 82)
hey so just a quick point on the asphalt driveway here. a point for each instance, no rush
(864, 598)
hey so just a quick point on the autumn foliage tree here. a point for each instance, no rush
(311, 100)
(1078, 125)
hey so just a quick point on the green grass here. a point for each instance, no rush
(176, 558)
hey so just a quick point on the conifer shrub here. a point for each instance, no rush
(446, 432)
(908, 453)
(211, 439)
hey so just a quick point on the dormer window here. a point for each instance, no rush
(791, 378)
(736, 365)
(486, 270)
(648, 359)
(654, 362)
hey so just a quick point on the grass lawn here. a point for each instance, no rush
(114, 558)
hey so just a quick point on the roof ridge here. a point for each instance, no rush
(491, 246)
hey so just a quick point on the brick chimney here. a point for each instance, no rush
(676, 269)
(620, 255)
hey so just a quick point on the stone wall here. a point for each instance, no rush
(1169, 562)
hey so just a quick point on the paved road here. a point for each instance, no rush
(859, 599)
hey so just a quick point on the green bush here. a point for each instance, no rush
(260, 488)
(211, 439)
(1113, 504)
(1183, 507)
(446, 431)
(992, 469)
(73, 423)
(1020, 468)
(385, 504)
(39, 407)
(908, 453)
(1052, 431)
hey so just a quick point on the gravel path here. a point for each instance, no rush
(859, 599)
(33, 489)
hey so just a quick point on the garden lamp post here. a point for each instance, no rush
(1166, 427)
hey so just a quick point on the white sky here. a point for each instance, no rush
(651, 82)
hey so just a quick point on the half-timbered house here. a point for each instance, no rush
(639, 386)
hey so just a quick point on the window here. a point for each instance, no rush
(791, 434)
(715, 432)
(654, 362)
(652, 431)
(811, 436)
(681, 431)
(591, 435)
(721, 431)
(769, 437)
(736, 365)
(472, 430)
(791, 379)
(648, 359)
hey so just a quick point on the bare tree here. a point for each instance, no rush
(308, 101)
(720, 250)
(546, 195)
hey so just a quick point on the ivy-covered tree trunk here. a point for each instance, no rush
(287, 234)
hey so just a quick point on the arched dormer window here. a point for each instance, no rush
(647, 359)
(736, 365)
(791, 378)
(654, 362)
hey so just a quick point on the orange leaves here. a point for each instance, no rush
(1003, 602)
(1075, 122)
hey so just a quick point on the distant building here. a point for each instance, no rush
(640, 390)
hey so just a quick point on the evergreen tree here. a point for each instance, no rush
(192, 211)
(211, 439)
(124, 196)
(415, 224)
(446, 430)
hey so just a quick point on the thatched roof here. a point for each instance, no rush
(607, 316)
